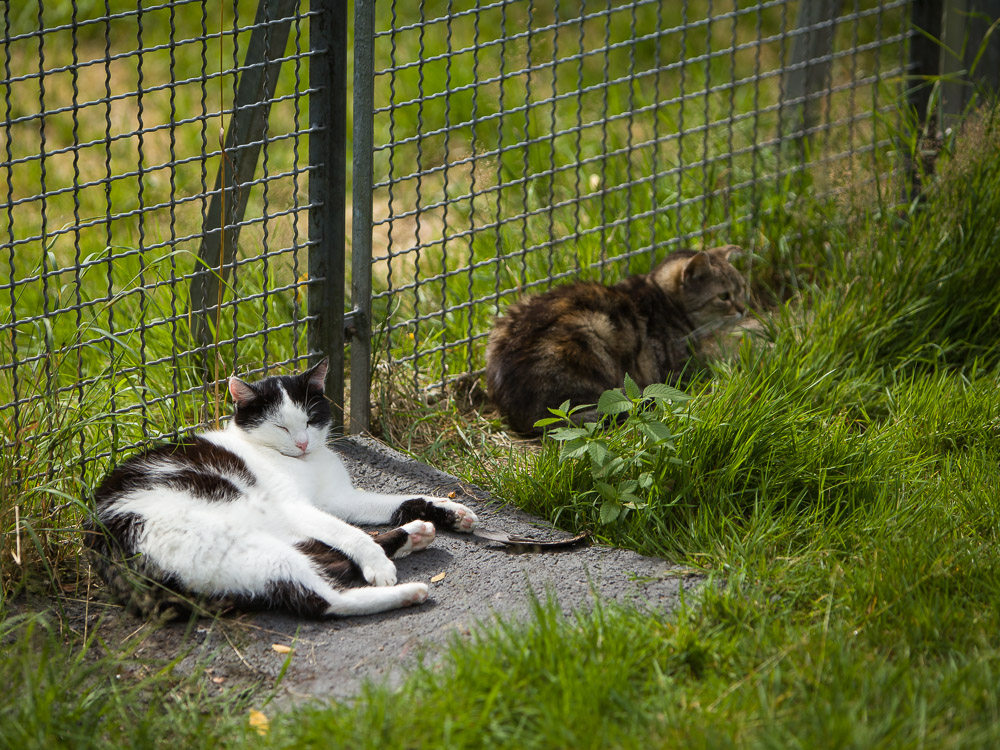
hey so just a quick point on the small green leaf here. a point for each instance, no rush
(568, 433)
(613, 402)
(656, 431)
(610, 510)
(631, 501)
(631, 389)
(598, 452)
(611, 468)
(645, 480)
(664, 391)
(547, 421)
(607, 491)
(573, 449)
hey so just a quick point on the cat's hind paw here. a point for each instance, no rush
(462, 518)
(412, 593)
(419, 535)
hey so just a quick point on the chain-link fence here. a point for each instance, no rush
(518, 143)
(173, 180)
(131, 134)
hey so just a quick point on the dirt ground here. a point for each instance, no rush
(471, 581)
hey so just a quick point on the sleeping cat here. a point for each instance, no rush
(576, 341)
(258, 516)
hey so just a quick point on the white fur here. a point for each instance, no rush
(301, 491)
(421, 534)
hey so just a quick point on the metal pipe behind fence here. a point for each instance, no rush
(970, 59)
(809, 73)
(925, 55)
(361, 236)
(327, 190)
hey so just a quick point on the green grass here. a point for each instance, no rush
(89, 694)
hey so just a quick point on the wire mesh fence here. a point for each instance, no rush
(123, 305)
(172, 178)
(518, 143)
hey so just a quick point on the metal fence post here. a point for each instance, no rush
(809, 71)
(924, 70)
(970, 60)
(327, 144)
(361, 236)
(925, 56)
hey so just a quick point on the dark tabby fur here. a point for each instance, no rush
(576, 341)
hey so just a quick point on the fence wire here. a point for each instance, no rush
(520, 143)
(110, 150)
(500, 147)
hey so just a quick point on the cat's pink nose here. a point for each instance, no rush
(302, 444)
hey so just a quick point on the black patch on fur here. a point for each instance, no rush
(269, 398)
(120, 531)
(210, 487)
(284, 595)
(289, 596)
(197, 466)
(392, 541)
(419, 509)
(337, 567)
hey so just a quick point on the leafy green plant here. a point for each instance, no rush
(628, 450)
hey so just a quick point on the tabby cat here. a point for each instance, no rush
(578, 340)
(258, 516)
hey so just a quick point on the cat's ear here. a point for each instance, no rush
(241, 391)
(697, 266)
(728, 253)
(316, 375)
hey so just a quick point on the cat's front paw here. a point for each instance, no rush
(379, 572)
(462, 518)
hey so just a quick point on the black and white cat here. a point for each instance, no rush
(258, 516)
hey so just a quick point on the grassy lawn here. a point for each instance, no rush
(838, 479)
